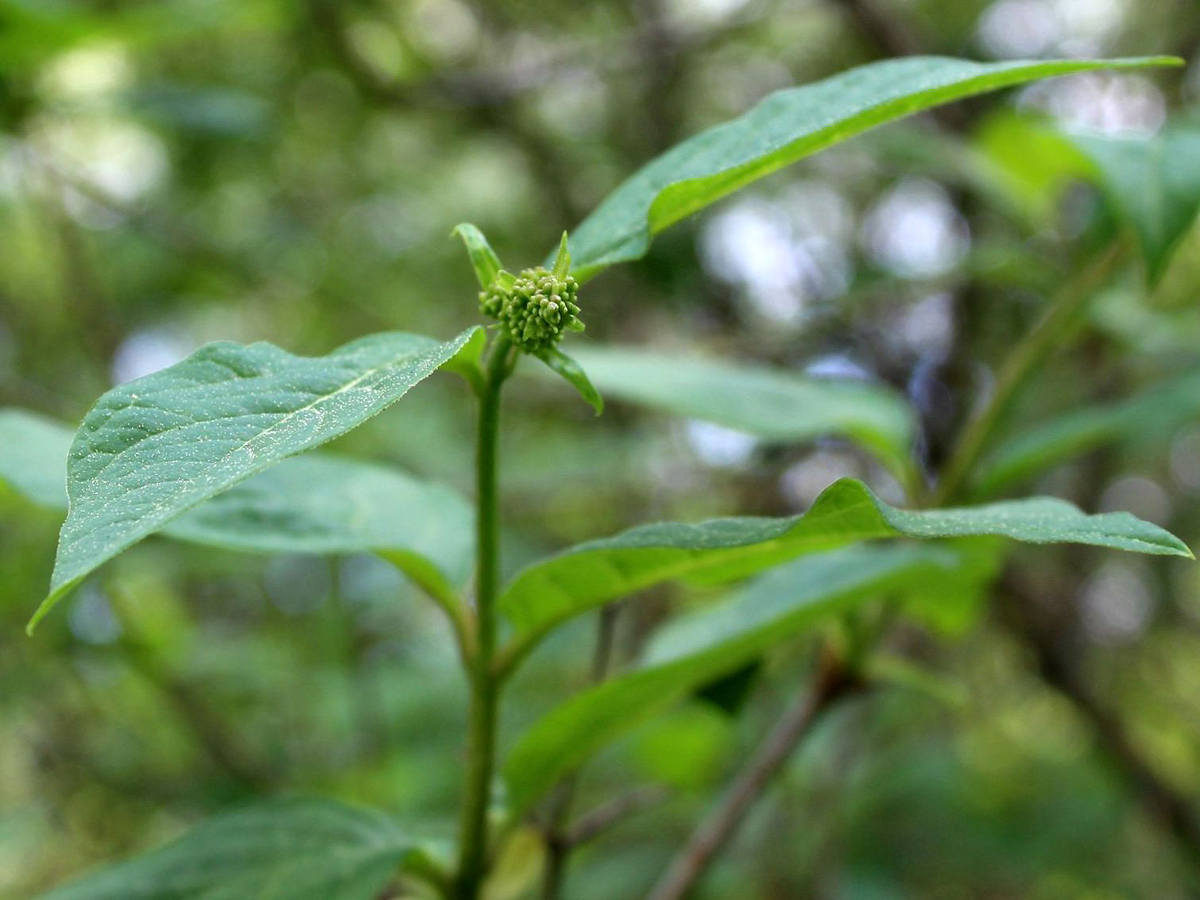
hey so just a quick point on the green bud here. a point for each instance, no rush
(535, 308)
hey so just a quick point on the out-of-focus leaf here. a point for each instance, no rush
(783, 128)
(219, 111)
(297, 849)
(698, 648)
(519, 863)
(890, 669)
(1154, 183)
(33, 456)
(153, 448)
(586, 576)
(327, 504)
(1030, 162)
(772, 405)
(310, 504)
(1156, 412)
(571, 372)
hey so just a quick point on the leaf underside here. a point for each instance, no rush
(770, 404)
(283, 850)
(697, 648)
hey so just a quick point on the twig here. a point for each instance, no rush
(833, 682)
(1053, 651)
(558, 843)
(192, 708)
(595, 822)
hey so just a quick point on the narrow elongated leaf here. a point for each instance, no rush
(590, 574)
(484, 260)
(310, 504)
(154, 448)
(286, 850)
(697, 648)
(1154, 183)
(1157, 412)
(785, 127)
(572, 373)
(770, 404)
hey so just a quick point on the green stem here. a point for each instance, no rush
(1025, 357)
(481, 747)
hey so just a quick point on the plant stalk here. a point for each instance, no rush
(1024, 359)
(481, 741)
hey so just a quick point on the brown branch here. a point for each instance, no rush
(715, 831)
(558, 843)
(207, 728)
(1056, 652)
(595, 822)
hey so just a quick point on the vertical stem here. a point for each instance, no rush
(481, 746)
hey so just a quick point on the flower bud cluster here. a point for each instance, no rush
(536, 309)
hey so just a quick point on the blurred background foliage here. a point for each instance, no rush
(177, 171)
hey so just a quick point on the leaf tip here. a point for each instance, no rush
(39, 614)
(562, 261)
(483, 259)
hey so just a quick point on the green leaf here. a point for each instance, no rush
(591, 574)
(574, 375)
(285, 850)
(774, 405)
(696, 649)
(483, 258)
(562, 260)
(33, 456)
(327, 504)
(153, 448)
(898, 671)
(1157, 412)
(783, 128)
(467, 363)
(1154, 183)
(1025, 163)
(309, 504)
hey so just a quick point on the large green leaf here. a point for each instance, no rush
(695, 649)
(770, 404)
(309, 504)
(785, 127)
(154, 448)
(285, 850)
(328, 504)
(590, 574)
(1157, 412)
(1154, 183)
